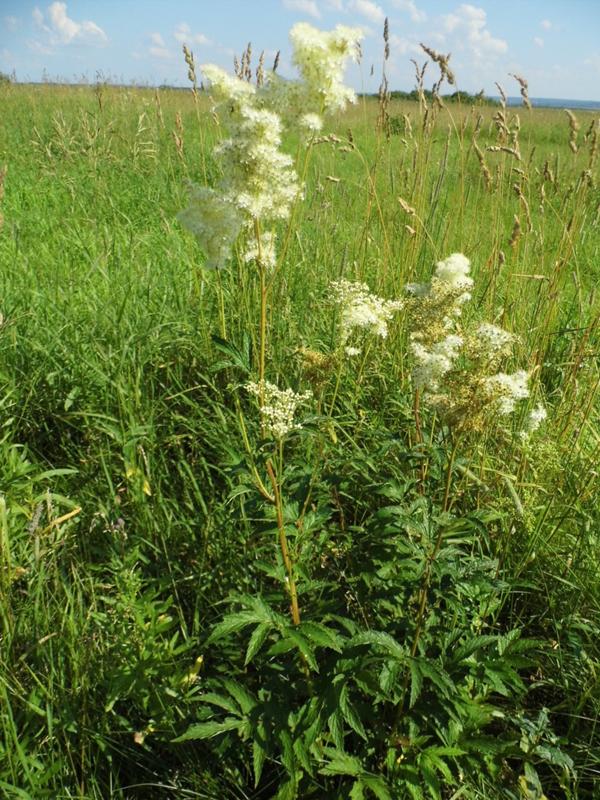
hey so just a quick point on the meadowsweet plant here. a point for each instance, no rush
(361, 312)
(457, 368)
(279, 408)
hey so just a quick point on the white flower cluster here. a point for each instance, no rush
(320, 57)
(493, 339)
(506, 390)
(279, 407)
(363, 310)
(454, 271)
(469, 392)
(257, 176)
(266, 253)
(215, 222)
(259, 181)
(535, 418)
(434, 362)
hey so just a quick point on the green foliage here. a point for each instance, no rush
(146, 633)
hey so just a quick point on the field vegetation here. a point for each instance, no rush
(383, 583)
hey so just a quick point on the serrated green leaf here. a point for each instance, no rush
(259, 634)
(304, 647)
(206, 730)
(220, 701)
(381, 640)
(350, 713)
(416, 681)
(342, 763)
(322, 635)
(240, 694)
(336, 729)
(232, 624)
(377, 785)
(258, 755)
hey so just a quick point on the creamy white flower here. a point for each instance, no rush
(361, 309)
(257, 177)
(227, 88)
(321, 57)
(535, 418)
(454, 270)
(506, 390)
(433, 362)
(352, 351)
(493, 339)
(312, 123)
(214, 221)
(279, 407)
(266, 254)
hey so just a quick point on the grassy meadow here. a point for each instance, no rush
(448, 587)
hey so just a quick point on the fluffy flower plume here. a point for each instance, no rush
(506, 390)
(226, 88)
(434, 362)
(279, 407)
(258, 179)
(534, 419)
(362, 310)
(265, 254)
(257, 176)
(215, 222)
(321, 57)
(458, 370)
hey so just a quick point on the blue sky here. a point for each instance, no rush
(555, 44)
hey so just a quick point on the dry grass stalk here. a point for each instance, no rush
(178, 135)
(593, 133)
(523, 87)
(503, 97)
(503, 131)
(573, 130)
(484, 167)
(492, 148)
(420, 78)
(260, 70)
(406, 207)
(519, 192)
(516, 233)
(383, 116)
(442, 61)
(276, 61)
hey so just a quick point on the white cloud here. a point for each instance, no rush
(594, 62)
(10, 23)
(546, 24)
(64, 30)
(183, 33)
(160, 52)
(401, 46)
(309, 7)
(368, 9)
(416, 14)
(538, 41)
(38, 17)
(468, 23)
(39, 48)
(158, 48)
(335, 5)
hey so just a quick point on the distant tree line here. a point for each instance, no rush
(457, 97)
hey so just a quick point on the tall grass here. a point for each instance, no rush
(127, 516)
